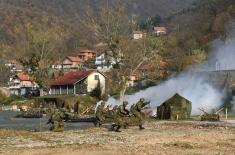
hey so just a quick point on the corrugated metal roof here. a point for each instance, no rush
(72, 77)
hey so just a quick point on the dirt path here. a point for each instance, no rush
(158, 138)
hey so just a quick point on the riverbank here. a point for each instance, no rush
(162, 137)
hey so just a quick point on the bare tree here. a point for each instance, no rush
(114, 28)
(44, 43)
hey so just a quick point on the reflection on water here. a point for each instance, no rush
(8, 121)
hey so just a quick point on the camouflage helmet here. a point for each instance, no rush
(142, 99)
(125, 103)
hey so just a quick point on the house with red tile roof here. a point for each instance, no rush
(158, 31)
(20, 83)
(77, 83)
(72, 62)
(86, 54)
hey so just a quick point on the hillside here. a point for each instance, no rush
(22, 20)
(193, 23)
(70, 8)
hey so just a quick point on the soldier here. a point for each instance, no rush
(136, 111)
(113, 113)
(67, 114)
(57, 121)
(119, 116)
(100, 113)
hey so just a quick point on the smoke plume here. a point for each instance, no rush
(193, 84)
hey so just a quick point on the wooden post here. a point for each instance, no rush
(74, 89)
(67, 89)
(226, 113)
(177, 117)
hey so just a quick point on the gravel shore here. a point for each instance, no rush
(159, 137)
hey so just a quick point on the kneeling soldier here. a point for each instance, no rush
(119, 116)
(100, 113)
(136, 111)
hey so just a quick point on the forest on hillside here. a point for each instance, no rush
(27, 26)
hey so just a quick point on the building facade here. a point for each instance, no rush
(71, 62)
(20, 84)
(158, 31)
(86, 54)
(78, 83)
(103, 64)
(138, 35)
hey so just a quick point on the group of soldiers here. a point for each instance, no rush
(121, 116)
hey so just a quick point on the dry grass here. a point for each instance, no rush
(158, 138)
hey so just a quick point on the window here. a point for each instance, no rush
(96, 77)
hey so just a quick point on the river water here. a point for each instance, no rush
(8, 121)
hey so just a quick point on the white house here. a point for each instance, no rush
(57, 65)
(20, 83)
(103, 63)
(138, 35)
(79, 82)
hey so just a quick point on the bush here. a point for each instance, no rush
(11, 99)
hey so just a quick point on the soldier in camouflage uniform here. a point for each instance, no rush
(136, 111)
(57, 121)
(100, 113)
(67, 115)
(120, 116)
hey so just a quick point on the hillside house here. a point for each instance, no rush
(103, 63)
(72, 62)
(86, 54)
(138, 35)
(20, 84)
(80, 82)
(11, 63)
(158, 31)
(15, 66)
(57, 65)
(132, 79)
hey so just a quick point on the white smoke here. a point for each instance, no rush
(192, 85)
(223, 55)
